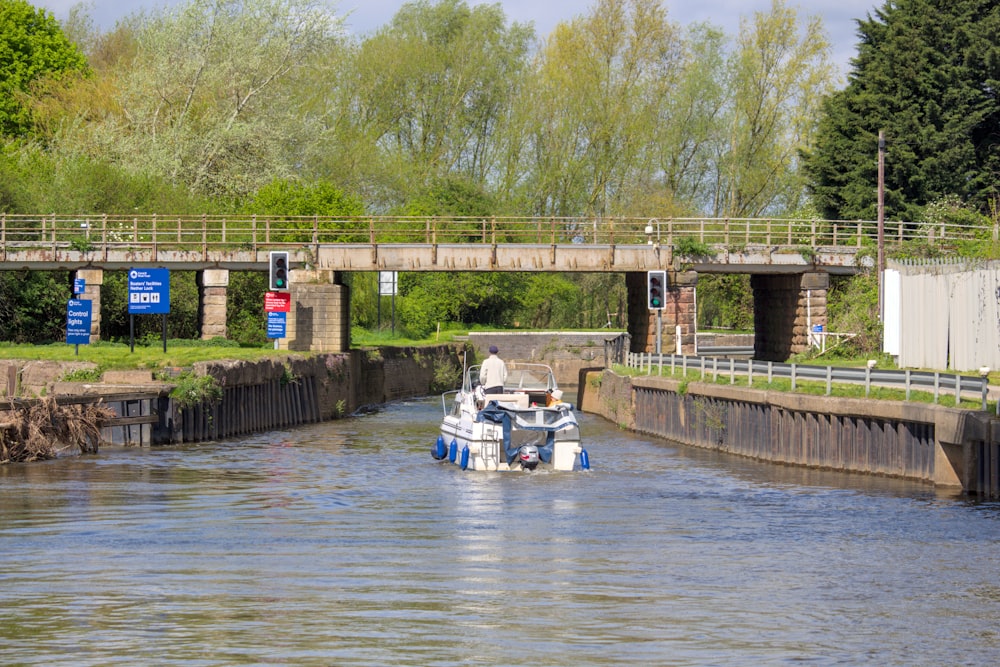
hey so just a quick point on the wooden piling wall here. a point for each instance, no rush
(261, 395)
(838, 442)
(287, 392)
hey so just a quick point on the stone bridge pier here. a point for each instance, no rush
(320, 316)
(787, 309)
(677, 317)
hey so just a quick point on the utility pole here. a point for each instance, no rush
(881, 226)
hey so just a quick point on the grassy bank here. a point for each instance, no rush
(118, 356)
(945, 397)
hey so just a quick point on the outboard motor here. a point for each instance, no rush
(528, 456)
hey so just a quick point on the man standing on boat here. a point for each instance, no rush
(493, 373)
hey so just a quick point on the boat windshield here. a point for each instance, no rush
(520, 377)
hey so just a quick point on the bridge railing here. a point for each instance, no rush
(251, 232)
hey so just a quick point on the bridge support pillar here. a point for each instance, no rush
(212, 286)
(320, 317)
(92, 291)
(786, 309)
(680, 310)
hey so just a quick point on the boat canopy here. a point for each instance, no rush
(534, 378)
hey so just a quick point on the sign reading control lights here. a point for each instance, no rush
(148, 291)
(79, 314)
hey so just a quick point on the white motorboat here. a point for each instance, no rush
(527, 426)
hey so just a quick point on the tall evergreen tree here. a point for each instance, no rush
(928, 73)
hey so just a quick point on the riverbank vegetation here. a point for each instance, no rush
(273, 107)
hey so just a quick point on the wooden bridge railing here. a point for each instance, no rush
(252, 232)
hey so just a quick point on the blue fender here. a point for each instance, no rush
(439, 449)
(584, 459)
(465, 457)
(453, 451)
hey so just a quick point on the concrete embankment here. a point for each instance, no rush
(947, 447)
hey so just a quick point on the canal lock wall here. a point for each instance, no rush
(258, 395)
(946, 447)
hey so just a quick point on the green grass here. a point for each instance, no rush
(183, 353)
(945, 398)
(386, 338)
(117, 356)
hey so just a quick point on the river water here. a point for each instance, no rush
(345, 543)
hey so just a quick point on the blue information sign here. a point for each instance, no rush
(79, 313)
(276, 325)
(148, 291)
(79, 285)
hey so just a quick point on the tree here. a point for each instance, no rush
(927, 72)
(691, 129)
(778, 75)
(601, 84)
(424, 98)
(292, 202)
(32, 47)
(33, 179)
(210, 99)
(33, 306)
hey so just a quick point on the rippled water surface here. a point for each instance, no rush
(347, 544)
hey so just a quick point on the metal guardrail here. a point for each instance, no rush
(935, 382)
(96, 232)
(726, 350)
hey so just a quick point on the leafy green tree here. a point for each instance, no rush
(601, 84)
(32, 47)
(452, 196)
(290, 204)
(725, 301)
(927, 73)
(245, 320)
(549, 300)
(211, 99)
(779, 73)
(690, 132)
(427, 299)
(852, 304)
(182, 321)
(33, 306)
(425, 97)
(287, 197)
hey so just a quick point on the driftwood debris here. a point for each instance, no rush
(41, 429)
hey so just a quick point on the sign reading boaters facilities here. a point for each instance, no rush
(148, 291)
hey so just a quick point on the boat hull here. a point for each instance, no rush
(525, 427)
(485, 443)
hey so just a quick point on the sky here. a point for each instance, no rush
(364, 16)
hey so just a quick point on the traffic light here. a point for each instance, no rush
(278, 271)
(656, 289)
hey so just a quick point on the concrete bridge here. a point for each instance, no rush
(790, 261)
